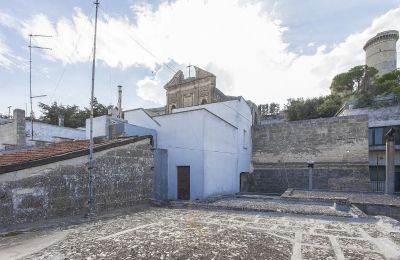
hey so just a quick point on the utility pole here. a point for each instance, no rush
(30, 72)
(90, 169)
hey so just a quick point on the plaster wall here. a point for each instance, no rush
(47, 132)
(221, 158)
(237, 113)
(205, 143)
(185, 146)
(140, 118)
(8, 135)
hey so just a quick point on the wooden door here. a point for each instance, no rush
(183, 182)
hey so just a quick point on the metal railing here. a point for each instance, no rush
(378, 186)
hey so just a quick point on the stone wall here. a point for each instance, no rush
(123, 176)
(337, 146)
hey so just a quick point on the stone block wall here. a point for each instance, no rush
(338, 147)
(123, 176)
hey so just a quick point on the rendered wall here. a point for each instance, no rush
(123, 176)
(47, 132)
(337, 146)
(184, 142)
(221, 174)
(237, 113)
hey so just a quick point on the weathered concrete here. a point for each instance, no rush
(123, 176)
(12, 134)
(370, 203)
(338, 147)
(206, 234)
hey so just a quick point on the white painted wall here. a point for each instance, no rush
(182, 134)
(238, 113)
(46, 132)
(100, 126)
(208, 138)
(221, 173)
(140, 118)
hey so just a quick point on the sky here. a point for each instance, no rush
(266, 51)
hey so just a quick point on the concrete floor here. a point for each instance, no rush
(165, 233)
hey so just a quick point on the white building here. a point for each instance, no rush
(208, 146)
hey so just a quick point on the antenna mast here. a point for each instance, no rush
(90, 169)
(30, 73)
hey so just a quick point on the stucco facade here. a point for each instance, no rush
(214, 140)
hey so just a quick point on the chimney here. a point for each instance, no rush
(60, 120)
(119, 101)
(19, 124)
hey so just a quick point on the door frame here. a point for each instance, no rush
(177, 180)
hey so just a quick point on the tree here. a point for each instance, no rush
(357, 79)
(264, 110)
(274, 109)
(301, 109)
(267, 110)
(73, 115)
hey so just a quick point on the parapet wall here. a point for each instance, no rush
(337, 146)
(123, 176)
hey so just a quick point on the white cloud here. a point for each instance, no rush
(5, 55)
(236, 40)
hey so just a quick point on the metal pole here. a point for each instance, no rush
(30, 72)
(90, 184)
(30, 81)
(377, 173)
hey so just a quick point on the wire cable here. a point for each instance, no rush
(146, 49)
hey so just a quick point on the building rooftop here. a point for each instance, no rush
(22, 159)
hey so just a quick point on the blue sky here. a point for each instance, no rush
(263, 50)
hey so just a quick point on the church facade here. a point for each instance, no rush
(193, 91)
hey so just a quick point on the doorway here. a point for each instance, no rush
(183, 182)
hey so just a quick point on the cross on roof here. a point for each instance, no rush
(189, 68)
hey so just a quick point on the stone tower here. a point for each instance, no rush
(380, 51)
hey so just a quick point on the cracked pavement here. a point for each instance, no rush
(164, 233)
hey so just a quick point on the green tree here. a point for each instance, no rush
(301, 109)
(357, 79)
(274, 109)
(73, 115)
(264, 110)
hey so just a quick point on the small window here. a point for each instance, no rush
(370, 136)
(244, 139)
(378, 136)
(204, 101)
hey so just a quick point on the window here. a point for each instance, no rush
(370, 136)
(378, 136)
(204, 101)
(244, 139)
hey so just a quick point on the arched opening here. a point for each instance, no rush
(173, 107)
(204, 101)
